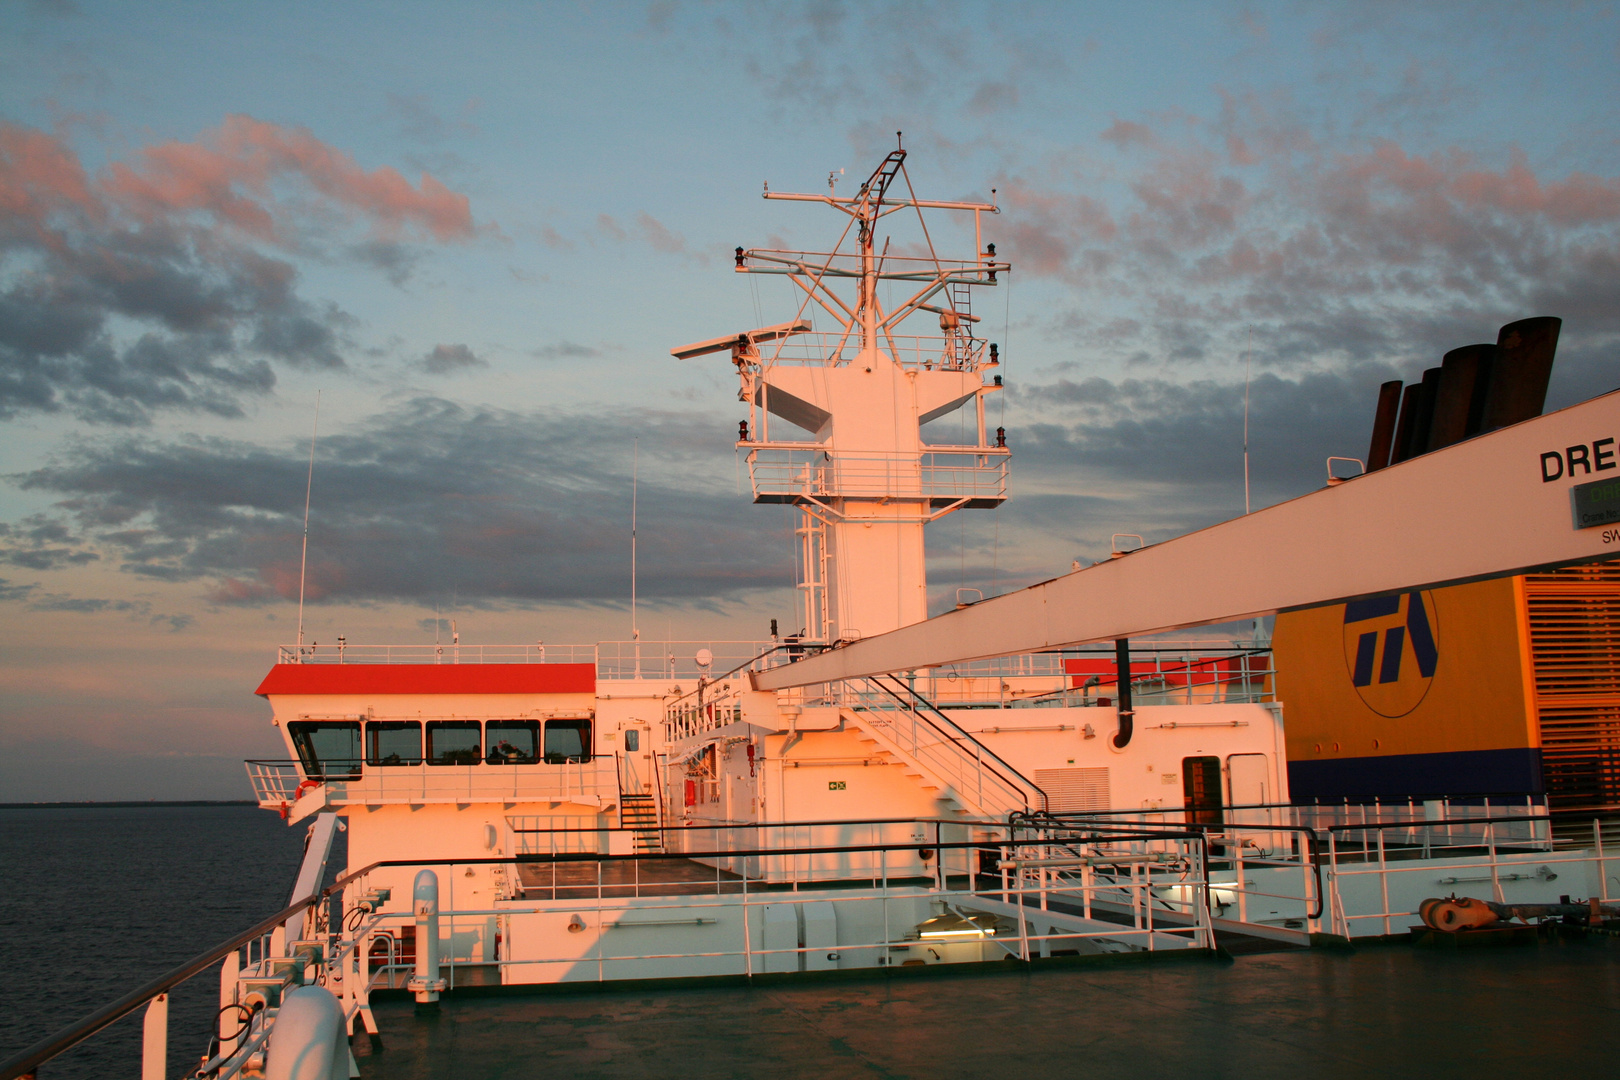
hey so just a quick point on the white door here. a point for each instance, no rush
(1248, 782)
(636, 759)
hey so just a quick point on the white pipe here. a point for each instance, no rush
(426, 983)
(310, 1039)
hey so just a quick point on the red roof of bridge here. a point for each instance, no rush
(429, 679)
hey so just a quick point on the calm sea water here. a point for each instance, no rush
(95, 901)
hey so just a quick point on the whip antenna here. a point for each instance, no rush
(309, 485)
(635, 466)
(1248, 355)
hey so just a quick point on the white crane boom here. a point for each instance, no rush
(1495, 505)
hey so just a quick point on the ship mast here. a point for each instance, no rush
(865, 482)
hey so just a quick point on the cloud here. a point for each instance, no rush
(40, 543)
(565, 350)
(992, 97)
(1126, 133)
(1246, 225)
(648, 229)
(1110, 433)
(417, 119)
(427, 501)
(448, 359)
(8, 591)
(227, 175)
(167, 281)
(658, 236)
(138, 609)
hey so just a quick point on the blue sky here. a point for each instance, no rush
(477, 231)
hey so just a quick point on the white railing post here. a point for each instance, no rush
(227, 997)
(1241, 888)
(1603, 867)
(1329, 890)
(1496, 877)
(1383, 881)
(155, 1040)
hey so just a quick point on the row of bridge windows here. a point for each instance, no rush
(327, 747)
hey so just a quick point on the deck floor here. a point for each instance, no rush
(1542, 1010)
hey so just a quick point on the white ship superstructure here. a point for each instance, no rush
(663, 752)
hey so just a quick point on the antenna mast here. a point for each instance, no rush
(635, 464)
(1248, 355)
(309, 485)
(866, 481)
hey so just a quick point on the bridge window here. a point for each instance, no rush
(568, 740)
(328, 749)
(454, 742)
(394, 742)
(512, 742)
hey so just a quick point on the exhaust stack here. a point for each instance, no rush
(1476, 388)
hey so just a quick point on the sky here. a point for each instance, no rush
(474, 232)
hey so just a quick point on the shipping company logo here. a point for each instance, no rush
(1389, 650)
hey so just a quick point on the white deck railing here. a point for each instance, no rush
(278, 783)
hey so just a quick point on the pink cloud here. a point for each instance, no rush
(236, 591)
(40, 177)
(180, 241)
(230, 173)
(1580, 199)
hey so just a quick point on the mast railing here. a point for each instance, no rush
(975, 474)
(957, 352)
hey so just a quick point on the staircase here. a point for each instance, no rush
(940, 755)
(640, 812)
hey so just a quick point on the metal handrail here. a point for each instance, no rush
(1044, 819)
(24, 1063)
(1017, 780)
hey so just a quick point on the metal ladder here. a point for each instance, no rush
(640, 812)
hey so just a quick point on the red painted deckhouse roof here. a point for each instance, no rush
(429, 679)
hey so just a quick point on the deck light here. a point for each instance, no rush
(951, 925)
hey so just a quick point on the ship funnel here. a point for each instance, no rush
(1403, 428)
(1465, 375)
(1428, 391)
(1476, 388)
(1524, 359)
(1383, 437)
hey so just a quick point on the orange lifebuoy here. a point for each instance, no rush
(298, 793)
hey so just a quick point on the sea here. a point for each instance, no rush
(96, 900)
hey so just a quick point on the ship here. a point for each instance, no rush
(544, 815)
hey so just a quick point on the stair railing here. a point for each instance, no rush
(938, 742)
